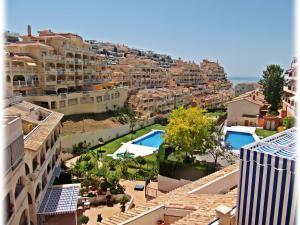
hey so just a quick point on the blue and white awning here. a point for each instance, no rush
(60, 200)
(282, 145)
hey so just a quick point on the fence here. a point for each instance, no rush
(92, 137)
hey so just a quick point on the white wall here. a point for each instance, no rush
(236, 109)
(220, 185)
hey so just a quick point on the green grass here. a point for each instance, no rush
(264, 133)
(113, 145)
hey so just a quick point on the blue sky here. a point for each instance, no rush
(244, 36)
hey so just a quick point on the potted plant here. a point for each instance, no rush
(84, 219)
(123, 202)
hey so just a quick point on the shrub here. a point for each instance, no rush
(85, 157)
(89, 166)
(288, 122)
(84, 219)
(141, 161)
(124, 200)
(161, 120)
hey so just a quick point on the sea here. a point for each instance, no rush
(242, 79)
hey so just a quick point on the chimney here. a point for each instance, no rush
(253, 97)
(226, 215)
(29, 30)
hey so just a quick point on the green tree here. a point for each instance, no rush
(84, 219)
(188, 130)
(141, 161)
(288, 122)
(217, 146)
(132, 120)
(272, 83)
(123, 202)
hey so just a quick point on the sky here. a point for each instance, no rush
(244, 36)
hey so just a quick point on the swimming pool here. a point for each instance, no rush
(238, 139)
(153, 139)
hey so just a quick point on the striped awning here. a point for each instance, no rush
(60, 200)
(282, 145)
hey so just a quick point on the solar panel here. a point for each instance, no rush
(60, 199)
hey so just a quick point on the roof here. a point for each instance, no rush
(203, 205)
(60, 200)
(21, 44)
(37, 137)
(282, 145)
(255, 97)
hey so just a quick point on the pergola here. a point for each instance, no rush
(60, 199)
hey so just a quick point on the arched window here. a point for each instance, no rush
(37, 191)
(29, 198)
(23, 219)
(19, 187)
(27, 170)
(8, 80)
(18, 78)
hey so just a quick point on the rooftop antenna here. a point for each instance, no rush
(28, 30)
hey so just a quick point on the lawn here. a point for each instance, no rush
(264, 133)
(113, 145)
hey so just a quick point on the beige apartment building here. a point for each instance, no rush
(213, 100)
(187, 74)
(246, 109)
(289, 97)
(16, 209)
(60, 71)
(213, 70)
(40, 159)
(146, 76)
(149, 102)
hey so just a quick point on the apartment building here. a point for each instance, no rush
(187, 74)
(289, 101)
(147, 76)
(213, 100)
(16, 208)
(247, 109)
(40, 157)
(149, 102)
(242, 88)
(60, 71)
(213, 70)
(22, 74)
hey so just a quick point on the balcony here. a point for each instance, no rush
(69, 71)
(78, 61)
(69, 60)
(51, 82)
(78, 82)
(18, 70)
(51, 57)
(51, 71)
(290, 89)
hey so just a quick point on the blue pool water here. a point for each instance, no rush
(238, 139)
(154, 139)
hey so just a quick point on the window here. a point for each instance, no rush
(99, 98)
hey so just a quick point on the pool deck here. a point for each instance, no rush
(138, 150)
(243, 129)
